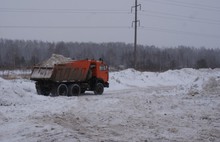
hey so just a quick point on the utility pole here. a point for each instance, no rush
(135, 22)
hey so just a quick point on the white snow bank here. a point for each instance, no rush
(138, 106)
(186, 81)
(14, 72)
(185, 78)
(16, 92)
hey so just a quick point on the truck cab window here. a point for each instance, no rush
(103, 68)
(92, 66)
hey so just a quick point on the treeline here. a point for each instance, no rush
(26, 53)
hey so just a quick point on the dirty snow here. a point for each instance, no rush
(177, 105)
(55, 59)
(15, 74)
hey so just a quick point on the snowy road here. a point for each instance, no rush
(180, 105)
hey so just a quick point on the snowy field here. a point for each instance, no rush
(15, 74)
(174, 106)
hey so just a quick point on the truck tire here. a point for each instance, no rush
(99, 89)
(42, 90)
(74, 90)
(54, 90)
(83, 91)
(62, 90)
(38, 90)
(45, 91)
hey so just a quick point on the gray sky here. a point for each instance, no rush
(163, 22)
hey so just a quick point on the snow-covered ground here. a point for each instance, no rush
(177, 105)
(15, 74)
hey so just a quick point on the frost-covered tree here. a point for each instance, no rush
(21, 53)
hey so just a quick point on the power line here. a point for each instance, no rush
(157, 29)
(113, 27)
(173, 31)
(182, 5)
(183, 18)
(104, 11)
(65, 27)
(195, 4)
(92, 11)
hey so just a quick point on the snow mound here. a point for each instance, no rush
(212, 84)
(184, 81)
(16, 92)
(55, 59)
(138, 106)
(187, 80)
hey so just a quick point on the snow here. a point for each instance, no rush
(13, 74)
(176, 105)
(55, 59)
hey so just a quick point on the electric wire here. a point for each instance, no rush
(183, 5)
(65, 27)
(104, 11)
(195, 4)
(181, 18)
(92, 11)
(157, 29)
(173, 31)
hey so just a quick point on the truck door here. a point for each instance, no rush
(93, 69)
(103, 72)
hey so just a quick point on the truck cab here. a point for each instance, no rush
(100, 71)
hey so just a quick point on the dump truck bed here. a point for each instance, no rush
(41, 73)
(75, 71)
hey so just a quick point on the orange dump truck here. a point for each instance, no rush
(71, 78)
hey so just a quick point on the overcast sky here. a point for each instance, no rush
(162, 22)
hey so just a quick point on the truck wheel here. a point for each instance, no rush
(38, 91)
(54, 92)
(62, 90)
(83, 91)
(38, 88)
(42, 90)
(74, 90)
(99, 89)
(45, 92)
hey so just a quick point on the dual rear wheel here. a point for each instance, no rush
(74, 90)
(70, 90)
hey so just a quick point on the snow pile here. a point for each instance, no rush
(55, 59)
(15, 92)
(14, 72)
(212, 84)
(184, 81)
(138, 106)
(187, 79)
